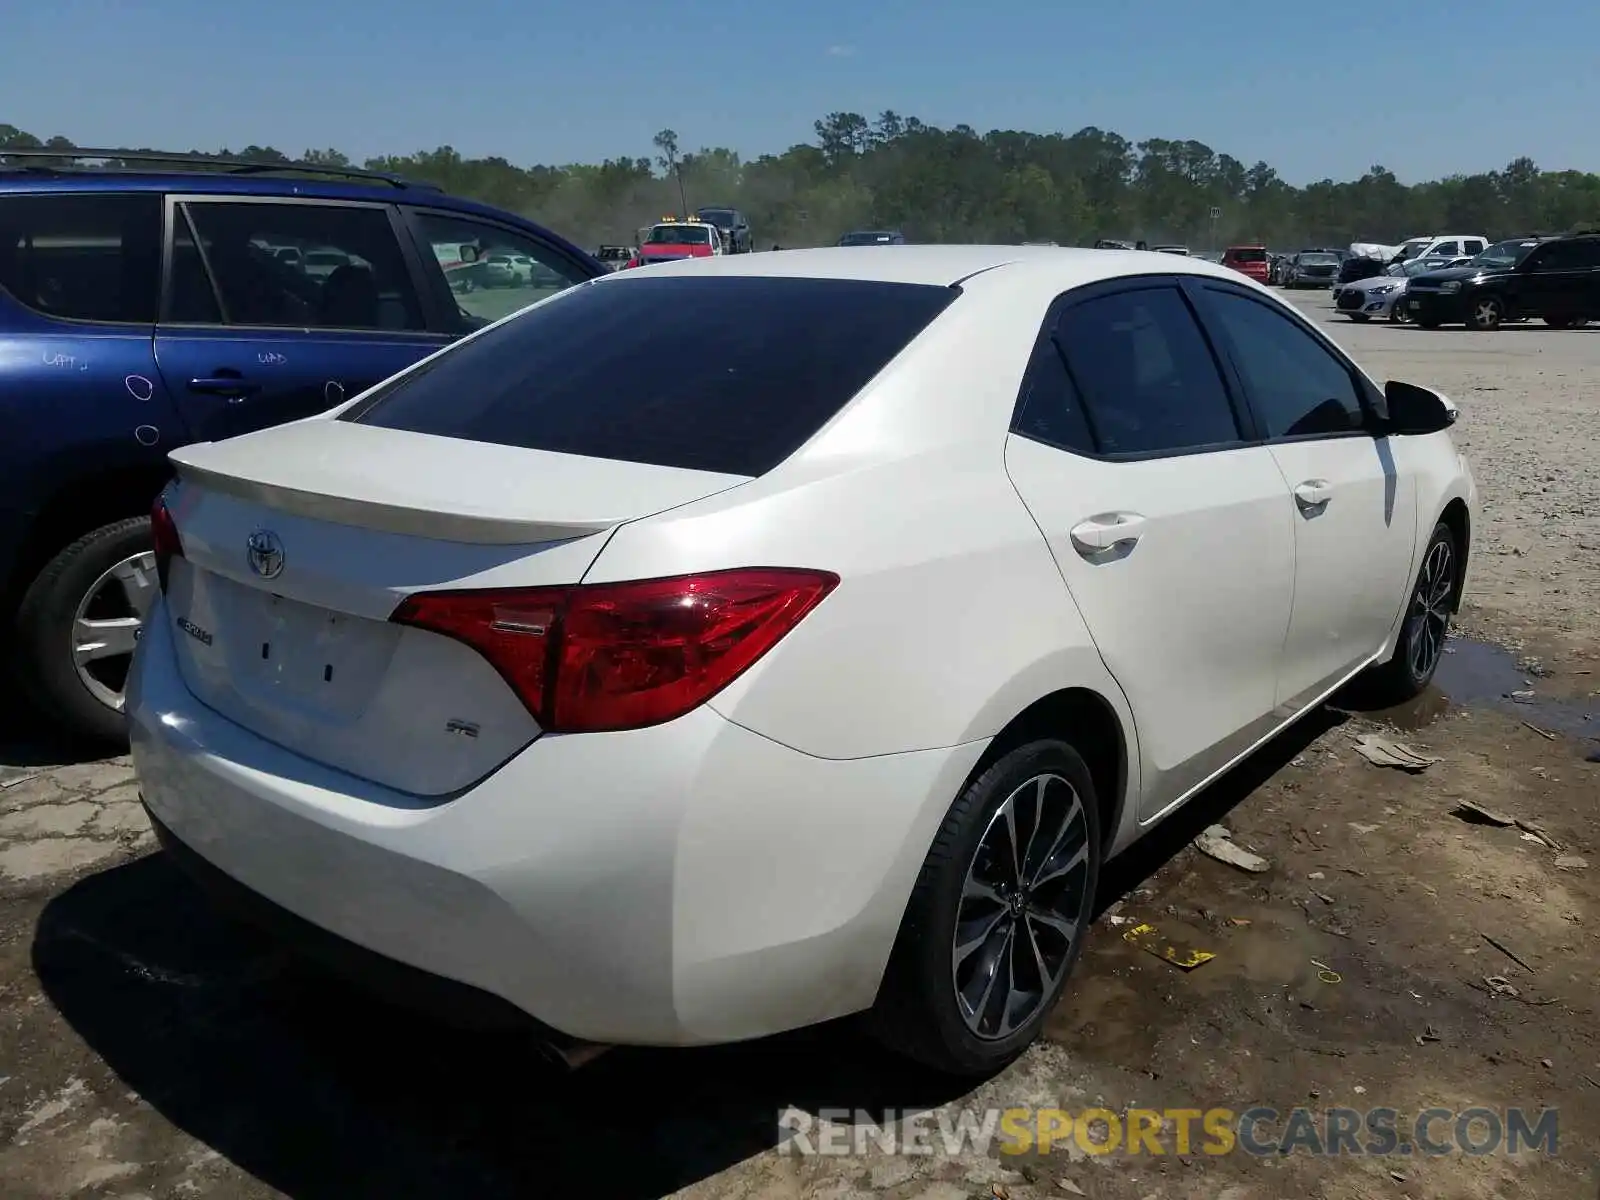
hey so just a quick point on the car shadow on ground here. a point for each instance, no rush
(321, 1091)
(29, 742)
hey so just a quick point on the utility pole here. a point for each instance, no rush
(1216, 214)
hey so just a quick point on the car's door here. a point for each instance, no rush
(249, 337)
(441, 236)
(1354, 507)
(1554, 280)
(1173, 535)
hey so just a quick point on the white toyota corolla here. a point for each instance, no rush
(686, 698)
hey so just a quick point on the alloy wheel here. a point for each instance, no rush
(1486, 313)
(1430, 610)
(1023, 905)
(107, 623)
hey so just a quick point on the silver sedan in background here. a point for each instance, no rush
(1363, 299)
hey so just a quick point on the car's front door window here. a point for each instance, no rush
(1297, 386)
(476, 259)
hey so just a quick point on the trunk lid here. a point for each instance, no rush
(299, 542)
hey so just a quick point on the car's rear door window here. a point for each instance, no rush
(297, 265)
(83, 256)
(1147, 377)
(728, 373)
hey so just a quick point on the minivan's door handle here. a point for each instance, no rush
(1313, 495)
(1106, 532)
(224, 383)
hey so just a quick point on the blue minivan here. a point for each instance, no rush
(155, 300)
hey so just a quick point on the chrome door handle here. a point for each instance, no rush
(1313, 495)
(1106, 532)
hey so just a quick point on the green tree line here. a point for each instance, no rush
(959, 185)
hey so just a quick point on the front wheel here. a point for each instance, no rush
(998, 915)
(1358, 318)
(1486, 314)
(1397, 312)
(78, 624)
(1426, 624)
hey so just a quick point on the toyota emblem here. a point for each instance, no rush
(265, 553)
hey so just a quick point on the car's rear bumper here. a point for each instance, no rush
(690, 883)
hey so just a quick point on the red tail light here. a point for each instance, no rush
(624, 655)
(164, 533)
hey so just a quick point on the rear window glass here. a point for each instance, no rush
(1247, 255)
(729, 374)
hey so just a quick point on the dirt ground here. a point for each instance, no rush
(1393, 955)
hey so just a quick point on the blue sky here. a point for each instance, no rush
(1316, 90)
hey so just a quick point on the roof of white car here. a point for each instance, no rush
(939, 265)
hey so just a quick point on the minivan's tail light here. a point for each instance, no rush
(164, 533)
(624, 655)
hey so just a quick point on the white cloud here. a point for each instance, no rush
(841, 51)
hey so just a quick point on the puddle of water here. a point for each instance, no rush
(1476, 674)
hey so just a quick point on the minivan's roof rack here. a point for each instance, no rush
(229, 165)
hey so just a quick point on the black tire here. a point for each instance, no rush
(1401, 679)
(1485, 314)
(918, 1014)
(1397, 313)
(1566, 322)
(44, 637)
(1426, 323)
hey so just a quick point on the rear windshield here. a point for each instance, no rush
(1247, 255)
(728, 373)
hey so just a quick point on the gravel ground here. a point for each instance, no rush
(1394, 955)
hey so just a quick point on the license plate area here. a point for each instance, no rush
(287, 654)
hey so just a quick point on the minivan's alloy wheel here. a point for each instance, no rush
(78, 625)
(1022, 907)
(1486, 313)
(1425, 627)
(998, 915)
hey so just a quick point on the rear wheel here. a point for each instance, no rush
(1427, 622)
(997, 919)
(1486, 313)
(1566, 322)
(78, 624)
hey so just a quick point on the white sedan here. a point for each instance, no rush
(819, 674)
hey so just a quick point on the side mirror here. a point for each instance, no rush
(469, 253)
(1417, 410)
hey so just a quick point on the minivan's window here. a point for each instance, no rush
(1505, 254)
(728, 374)
(84, 257)
(304, 266)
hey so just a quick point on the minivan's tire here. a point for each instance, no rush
(953, 997)
(1486, 313)
(1426, 622)
(76, 626)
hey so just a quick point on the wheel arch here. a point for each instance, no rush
(85, 501)
(1092, 724)
(1458, 520)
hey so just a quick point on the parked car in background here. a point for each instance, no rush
(1250, 260)
(1183, 250)
(141, 310)
(1557, 279)
(1442, 248)
(1115, 244)
(660, 748)
(615, 257)
(1381, 295)
(733, 224)
(873, 237)
(671, 239)
(1311, 268)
